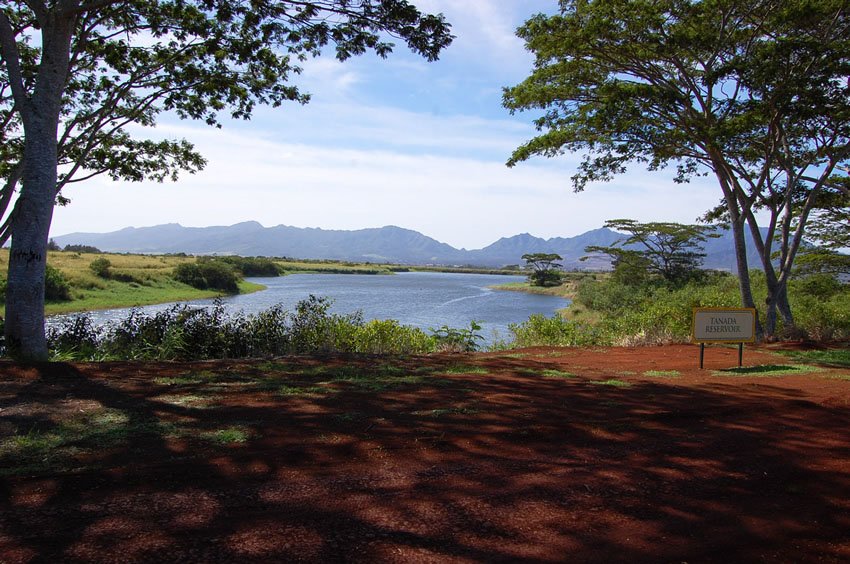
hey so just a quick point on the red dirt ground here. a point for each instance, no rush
(503, 466)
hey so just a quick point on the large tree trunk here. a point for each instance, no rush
(737, 217)
(28, 254)
(33, 211)
(784, 307)
(744, 273)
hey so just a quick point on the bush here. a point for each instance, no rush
(100, 266)
(75, 338)
(56, 286)
(184, 333)
(554, 331)
(656, 313)
(252, 266)
(208, 275)
(458, 340)
(652, 312)
(390, 337)
(82, 249)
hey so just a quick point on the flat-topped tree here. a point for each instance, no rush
(754, 92)
(545, 268)
(672, 251)
(76, 73)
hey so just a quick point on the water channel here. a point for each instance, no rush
(422, 299)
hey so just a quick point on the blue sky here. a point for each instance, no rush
(397, 141)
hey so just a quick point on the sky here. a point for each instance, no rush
(396, 141)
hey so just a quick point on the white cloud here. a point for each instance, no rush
(463, 201)
(487, 27)
(395, 141)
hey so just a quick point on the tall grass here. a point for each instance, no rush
(185, 333)
(652, 312)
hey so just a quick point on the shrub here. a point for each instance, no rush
(823, 318)
(100, 266)
(184, 333)
(458, 340)
(82, 249)
(252, 266)
(75, 338)
(389, 336)
(208, 275)
(56, 286)
(540, 330)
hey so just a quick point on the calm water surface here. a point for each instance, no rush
(422, 299)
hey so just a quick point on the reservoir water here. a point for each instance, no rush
(423, 299)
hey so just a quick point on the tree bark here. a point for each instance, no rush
(744, 273)
(784, 307)
(30, 227)
(33, 212)
(738, 219)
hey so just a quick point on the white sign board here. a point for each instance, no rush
(724, 325)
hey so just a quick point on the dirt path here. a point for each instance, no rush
(545, 455)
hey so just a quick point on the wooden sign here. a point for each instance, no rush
(724, 325)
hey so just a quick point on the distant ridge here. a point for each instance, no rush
(383, 244)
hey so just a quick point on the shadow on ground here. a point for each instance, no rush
(476, 458)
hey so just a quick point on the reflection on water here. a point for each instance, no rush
(422, 299)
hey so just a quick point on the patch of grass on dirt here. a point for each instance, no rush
(228, 436)
(439, 412)
(844, 377)
(552, 354)
(372, 379)
(552, 373)
(41, 450)
(611, 382)
(273, 366)
(349, 416)
(465, 369)
(187, 400)
(834, 357)
(768, 370)
(296, 390)
(178, 380)
(661, 373)
(200, 377)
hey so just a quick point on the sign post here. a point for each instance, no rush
(723, 325)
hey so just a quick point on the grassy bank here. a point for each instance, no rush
(120, 295)
(288, 266)
(460, 270)
(134, 280)
(567, 290)
(563, 291)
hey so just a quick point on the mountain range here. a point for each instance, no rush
(388, 244)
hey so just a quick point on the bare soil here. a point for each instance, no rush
(538, 455)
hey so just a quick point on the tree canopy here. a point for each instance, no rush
(544, 268)
(76, 74)
(754, 92)
(669, 250)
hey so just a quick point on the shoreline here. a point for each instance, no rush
(565, 291)
(78, 306)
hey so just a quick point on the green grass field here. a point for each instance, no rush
(136, 280)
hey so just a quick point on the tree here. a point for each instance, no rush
(76, 73)
(829, 224)
(751, 91)
(669, 250)
(828, 232)
(545, 268)
(819, 260)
